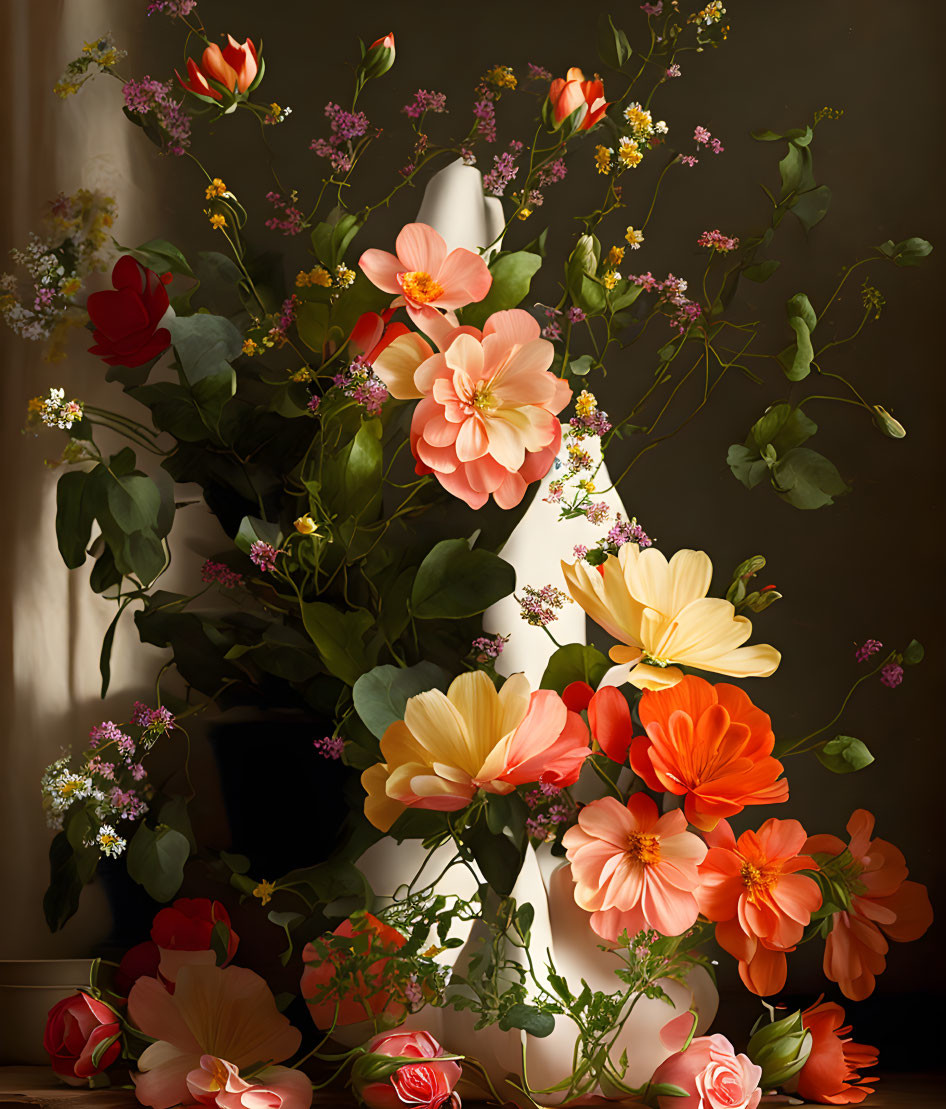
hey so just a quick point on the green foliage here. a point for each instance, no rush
(512, 275)
(613, 47)
(909, 252)
(802, 320)
(454, 581)
(156, 858)
(381, 695)
(339, 637)
(574, 662)
(844, 754)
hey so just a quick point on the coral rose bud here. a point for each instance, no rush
(82, 1038)
(406, 1068)
(379, 57)
(713, 1076)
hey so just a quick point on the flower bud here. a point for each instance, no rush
(781, 1049)
(887, 424)
(305, 525)
(379, 57)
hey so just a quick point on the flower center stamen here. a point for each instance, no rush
(758, 881)
(420, 287)
(644, 847)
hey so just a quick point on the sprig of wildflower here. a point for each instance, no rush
(345, 127)
(634, 238)
(629, 153)
(56, 411)
(318, 276)
(682, 311)
(288, 219)
(344, 276)
(425, 101)
(264, 891)
(827, 113)
(218, 573)
(108, 841)
(872, 299)
(539, 607)
(712, 13)
(330, 746)
(504, 170)
(153, 102)
(717, 241)
(891, 675)
(263, 555)
(177, 9)
(364, 387)
(487, 648)
(102, 53)
(276, 114)
(603, 158)
(868, 648)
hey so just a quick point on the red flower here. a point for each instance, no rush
(184, 933)
(426, 1084)
(140, 961)
(372, 333)
(235, 68)
(126, 318)
(574, 92)
(830, 1075)
(81, 1038)
(358, 995)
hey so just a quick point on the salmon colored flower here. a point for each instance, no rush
(752, 889)
(226, 1012)
(710, 744)
(424, 276)
(235, 70)
(487, 419)
(712, 1074)
(472, 737)
(609, 717)
(363, 994)
(634, 869)
(218, 1082)
(831, 1075)
(573, 92)
(881, 901)
(373, 333)
(660, 611)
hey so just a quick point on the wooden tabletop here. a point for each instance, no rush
(37, 1086)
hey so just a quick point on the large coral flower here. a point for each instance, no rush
(710, 744)
(634, 869)
(487, 419)
(423, 276)
(226, 1012)
(831, 1074)
(572, 92)
(882, 901)
(660, 611)
(752, 889)
(451, 744)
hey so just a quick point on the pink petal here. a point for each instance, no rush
(381, 269)
(465, 278)
(421, 248)
(514, 327)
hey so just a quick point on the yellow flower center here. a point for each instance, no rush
(66, 789)
(644, 847)
(420, 286)
(483, 398)
(218, 1073)
(757, 880)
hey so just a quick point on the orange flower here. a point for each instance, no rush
(236, 68)
(830, 1075)
(882, 900)
(711, 744)
(751, 888)
(634, 869)
(572, 92)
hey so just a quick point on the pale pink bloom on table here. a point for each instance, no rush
(472, 737)
(424, 277)
(634, 869)
(712, 1074)
(487, 419)
(882, 901)
(225, 1012)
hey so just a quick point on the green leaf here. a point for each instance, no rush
(811, 207)
(761, 271)
(627, 297)
(381, 695)
(205, 344)
(913, 653)
(746, 465)
(909, 252)
(806, 479)
(161, 256)
(133, 501)
(331, 239)
(613, 47)
(252, 530)
(795, 169)
(512, 276)
(574, 662)
(784, 427)
(799, 135)
(498, 858)
(74, 517)
(581, 366)
(69, 870)
(156, 858)
(802, 320)
(844, 754)
(105, 656)
(351, 476)
(339, 638)
(174, 813)
(529, 1018)
(799, 305)
(454, 581)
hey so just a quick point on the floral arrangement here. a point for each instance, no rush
(368, 434)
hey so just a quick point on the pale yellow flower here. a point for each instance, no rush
(660, 613)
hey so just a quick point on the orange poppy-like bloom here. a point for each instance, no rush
(831, 1074)
(710, 744)
(882, 901)
(761, 905)
(634, 869)
(236, 68)
(572, 92)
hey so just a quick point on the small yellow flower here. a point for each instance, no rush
(603, 159)
(71, 287)
(304, 374)
(305, 525)
(249, 347)
(345, 276)
(501, 76)
(629, 153)
(215, 188)
(615, 256)
(523, 213)
(217, 221)
(315, 276)
(585, 403)
(634, 238)
(66, 88)
(588, 485)
(264, 891)
(432, 952)
(610, 279)
(640, 119)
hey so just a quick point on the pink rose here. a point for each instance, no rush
(81, 1038)
(712, 1074)
(382, 1083)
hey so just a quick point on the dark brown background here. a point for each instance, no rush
(871, 565)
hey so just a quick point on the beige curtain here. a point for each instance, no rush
(51, 624)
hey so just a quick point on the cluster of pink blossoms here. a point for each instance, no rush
(288, 218)
(425, 101)
(345, 127)
(217, 573)
(487, 647)
(363, 385)
(329, 746)
(682, 311)
(504, 170)
(263, 555)
(716, 240)
(152, 97)
(540, 606)
(702, 137)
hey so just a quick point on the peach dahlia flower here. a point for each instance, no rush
(634, 869)
(424, 277)
(660, 611)
(710, 744)
(751, 888)
(472, 737)
(884, 902)
(487, 419)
